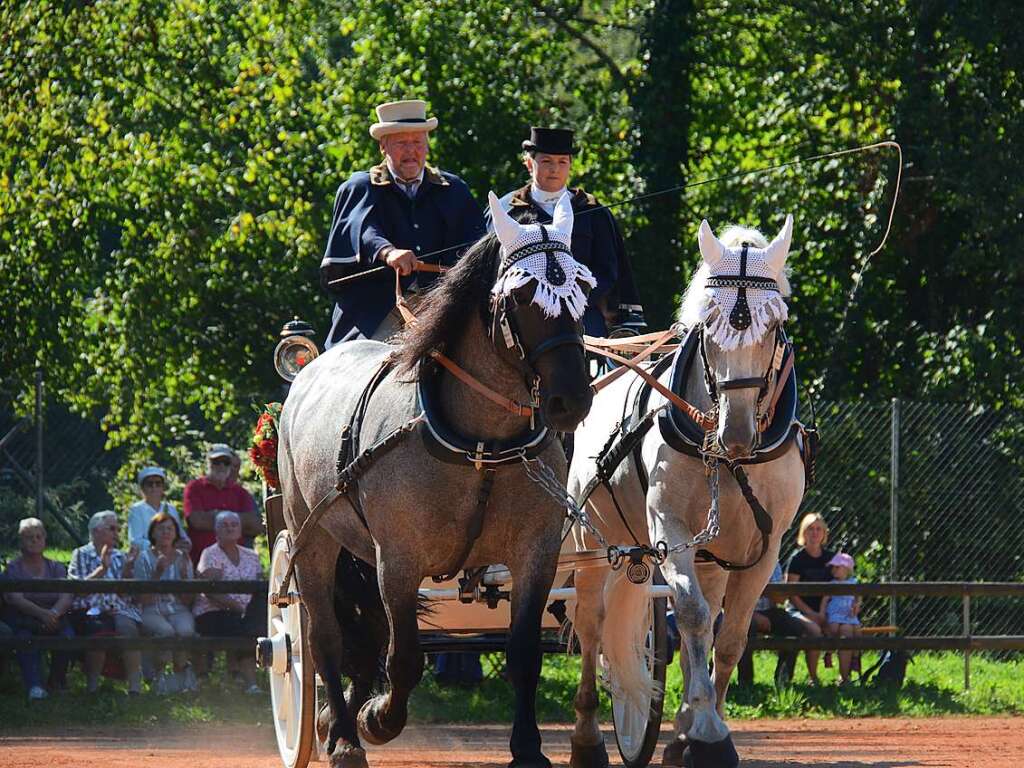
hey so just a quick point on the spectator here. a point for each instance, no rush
(168, 614)
(153, 484)
(213, 493)
(234, 615)
(38, 613)
(809, 563)
(105, 613)
(772, 616)
(841, 611)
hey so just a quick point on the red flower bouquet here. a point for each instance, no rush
(263, 449)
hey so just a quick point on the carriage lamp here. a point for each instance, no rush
(295, 350)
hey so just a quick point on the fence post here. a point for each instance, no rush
(967, 634)
(39, 443)
(894, 503)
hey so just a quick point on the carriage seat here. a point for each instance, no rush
(683, 433)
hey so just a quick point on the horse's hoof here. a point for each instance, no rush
(323, 724)
(371, 728)
(350, 757)
(531, 762)
(675, 753)
(713, 754)
(588, 756)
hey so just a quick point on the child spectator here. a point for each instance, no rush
(841, 611)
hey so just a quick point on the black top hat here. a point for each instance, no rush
(550, 141)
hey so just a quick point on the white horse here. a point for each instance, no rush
(733, 309)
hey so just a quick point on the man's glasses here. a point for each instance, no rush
(221, 462)
(153, 484)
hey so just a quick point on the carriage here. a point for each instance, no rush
(470, 612)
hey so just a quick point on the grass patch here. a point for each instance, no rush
(934, 686)
(218, 701)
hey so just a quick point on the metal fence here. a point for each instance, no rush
(925, 492)
(54, 465)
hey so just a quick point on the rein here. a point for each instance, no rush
(512, 406)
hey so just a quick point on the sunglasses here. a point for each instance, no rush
(153, 484)
(221, 462)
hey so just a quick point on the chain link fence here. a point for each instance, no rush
(921, 491)
(916, 491)
(77, 470)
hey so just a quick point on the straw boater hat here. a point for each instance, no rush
(402, 116)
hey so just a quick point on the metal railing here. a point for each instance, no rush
(965, 642)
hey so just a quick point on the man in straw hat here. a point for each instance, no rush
(614, 305)
(397, 213)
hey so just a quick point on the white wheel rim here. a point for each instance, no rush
(286, 688)
(631, 721)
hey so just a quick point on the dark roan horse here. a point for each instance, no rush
(444, 487)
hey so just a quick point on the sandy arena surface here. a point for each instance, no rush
(864, 743)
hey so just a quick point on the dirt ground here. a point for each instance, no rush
(863, 743)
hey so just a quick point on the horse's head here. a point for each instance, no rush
(536, 310)
(737, 300)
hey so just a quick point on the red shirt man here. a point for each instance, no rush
(213, 493)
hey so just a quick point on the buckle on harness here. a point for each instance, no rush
(478, 457)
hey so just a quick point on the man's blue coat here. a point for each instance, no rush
(372, 211)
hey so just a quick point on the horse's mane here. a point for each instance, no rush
(690, 309)
(446, 312)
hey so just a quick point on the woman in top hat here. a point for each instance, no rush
(398, 212)
(596, 241)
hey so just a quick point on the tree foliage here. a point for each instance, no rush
(167, 170)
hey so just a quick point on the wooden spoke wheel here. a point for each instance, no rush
(637, 729)
(286, 656)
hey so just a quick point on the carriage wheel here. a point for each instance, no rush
(636, 729)
(286, 655)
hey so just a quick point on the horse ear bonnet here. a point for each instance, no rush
(740, 315)
(542, 253)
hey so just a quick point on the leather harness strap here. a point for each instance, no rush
(705, 421)
(599, 346)
(512, 406)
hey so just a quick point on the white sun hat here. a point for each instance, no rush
(401, 117)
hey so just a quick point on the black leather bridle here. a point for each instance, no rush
(740, 319)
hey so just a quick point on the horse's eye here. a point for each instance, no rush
(523, 295)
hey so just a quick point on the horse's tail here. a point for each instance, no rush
(624, 647)
(360, 612)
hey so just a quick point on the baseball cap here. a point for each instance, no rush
(147, 472)
(842, 559)
(220, 449)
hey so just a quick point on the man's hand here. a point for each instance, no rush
(213, 574)
(401, 260)
(105, 556)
